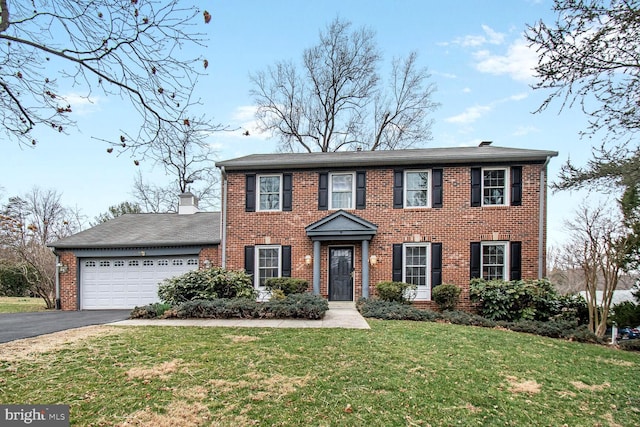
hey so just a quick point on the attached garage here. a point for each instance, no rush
(118, 264)
(110, 283)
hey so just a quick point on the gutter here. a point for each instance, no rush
(223, 221)
(542, 216)
(58, 304)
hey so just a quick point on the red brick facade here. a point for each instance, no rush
(456, 224)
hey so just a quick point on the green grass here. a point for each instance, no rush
(396, 374)
(21, 304)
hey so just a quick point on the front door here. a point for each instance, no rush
(341, 274)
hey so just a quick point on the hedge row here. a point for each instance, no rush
(294, 306)
(388, 310)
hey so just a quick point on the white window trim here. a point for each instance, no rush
(353, 190)
(427, 287)
(507, 186)
(406, 188)
(279, 208)
(506, 257)
(256, 267)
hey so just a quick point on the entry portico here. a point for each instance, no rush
(341, 228)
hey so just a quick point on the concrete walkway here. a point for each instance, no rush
(339, 315)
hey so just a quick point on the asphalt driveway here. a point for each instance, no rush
(14, 326)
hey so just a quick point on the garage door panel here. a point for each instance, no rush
(126, 283)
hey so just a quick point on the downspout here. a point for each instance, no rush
(58, 305)
(223, 222)
(542, 216)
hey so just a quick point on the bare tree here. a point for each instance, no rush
(27, 224)
(187, 157)
(127, 48)
(597, 249)
(337, 100)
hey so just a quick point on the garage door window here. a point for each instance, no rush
(118, 263)
(163, 262)
(147, 263)
(192, 261)
(133, 263)
(177, 262)
(105, 263)
(90, 264)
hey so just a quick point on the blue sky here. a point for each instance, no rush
(474, 50)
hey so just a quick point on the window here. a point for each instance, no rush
(341, 190)
(192, 261)
(494, 187)
(118, 263)
(269, 191)
(177, 262)
(419, 264)
(163, 262)
(267, 264)
(417, 189)
(105, 263)
(90, 264)
(415, 264)
(133, 263)
(147, 262)
(494, 261)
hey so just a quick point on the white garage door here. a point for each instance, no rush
(110, 283)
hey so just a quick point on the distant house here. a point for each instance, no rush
(344, 221)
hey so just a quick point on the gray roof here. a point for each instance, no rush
(431, 156)
(148, 230)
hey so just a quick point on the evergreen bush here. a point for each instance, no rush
(446, 296)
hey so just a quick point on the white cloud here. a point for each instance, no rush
(476, 40)
(518, 62)
(466, 90)
(472, 114)
(525, 130)
(81, 104)
(243, 118)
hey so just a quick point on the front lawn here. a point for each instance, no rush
(399, 373)
(21, 304)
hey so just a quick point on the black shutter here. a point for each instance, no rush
(250, 192)
(515, 261)
(436, 188)
(361, 190)
(397, 263)
(286, 261)
(323, 191)
(476, 187)
(287, 191)
(516, 185)
(475, 261)
(398, 189)
(436, 264)
(249, 259)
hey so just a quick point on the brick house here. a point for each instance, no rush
(345, 221)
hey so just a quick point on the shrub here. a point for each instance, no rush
(394, 291)
(393, 310)
(572, 307)
(149, 311)
(13, 283)
(206, 284)
(295, 306)
(463, 318)
(515, 300)
(626, 314)
(629, 345)
(287, 285)
(446, 296)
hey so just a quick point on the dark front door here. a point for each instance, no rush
(340, 274)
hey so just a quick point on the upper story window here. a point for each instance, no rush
(494, 187)
(342, 190)
(416, 189)
(269, 192)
